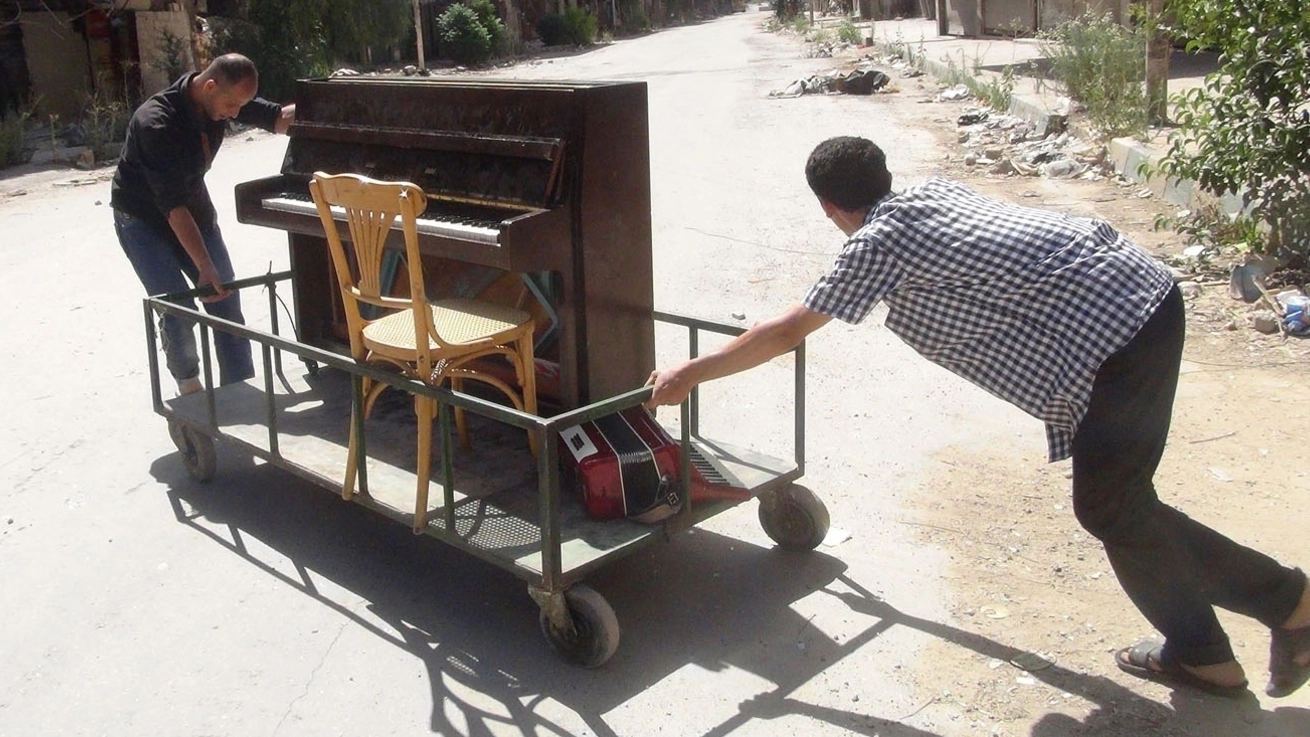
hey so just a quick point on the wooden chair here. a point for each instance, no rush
(429, 341)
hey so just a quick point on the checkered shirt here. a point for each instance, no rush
(1024, 303)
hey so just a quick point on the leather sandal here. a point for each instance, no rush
(1146, 660)
(1285, 674)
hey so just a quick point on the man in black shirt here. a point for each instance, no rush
(164, 218)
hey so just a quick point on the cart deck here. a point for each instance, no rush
(493, 499)
(495, 479)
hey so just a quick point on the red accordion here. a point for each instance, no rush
(626, 465)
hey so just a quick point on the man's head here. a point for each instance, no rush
(225, 86)
(848, 172)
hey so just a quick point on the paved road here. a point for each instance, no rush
(137, 602)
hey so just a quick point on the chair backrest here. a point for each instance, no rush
(371, 208)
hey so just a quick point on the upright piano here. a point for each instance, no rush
(550, 179)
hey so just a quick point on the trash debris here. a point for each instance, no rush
(1296, 312)
(958, 92)
(1247, 281)
(1032, 661)
(972, 118)
(862, 81)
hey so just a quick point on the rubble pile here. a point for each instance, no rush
(863, 80)
(1012, 146)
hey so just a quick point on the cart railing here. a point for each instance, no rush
(544, 429)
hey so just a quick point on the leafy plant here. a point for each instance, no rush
(1248, 131)
(13, 126)
(1102, 64)
(462, 35)
(172, 56)
(485, 10)
(552, 30)
(576, 27)
(582, 26)
(786, 10)
(995, 92)
(104, 119)
(1209, 226)
(848, 32)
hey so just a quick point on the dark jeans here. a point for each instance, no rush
(164, 267)
(1174, 569)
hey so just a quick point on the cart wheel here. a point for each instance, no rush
(311, 367)
(595, 634)
(197, 451)
(794, 518)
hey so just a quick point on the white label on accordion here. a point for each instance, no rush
(578, 442)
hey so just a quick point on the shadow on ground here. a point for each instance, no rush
(474, 627)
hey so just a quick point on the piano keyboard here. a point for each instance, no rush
(431, 222)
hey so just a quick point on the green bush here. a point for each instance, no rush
(582, 26)
(1102, 64)
(485, 10)
(13, 124)
(785, 10)
(551, 30)
(1248, 132)
(848, 32)
(576, 27)
(462, 35)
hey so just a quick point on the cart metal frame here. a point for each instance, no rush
(575, 620)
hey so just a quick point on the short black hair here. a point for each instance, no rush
(848, 171)
(230, 70)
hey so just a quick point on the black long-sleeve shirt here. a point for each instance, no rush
(170, 145)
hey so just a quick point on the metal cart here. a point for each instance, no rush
(299, 421)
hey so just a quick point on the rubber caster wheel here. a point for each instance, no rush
(595, 631)
(197, 449)
(794, 518)
(312, 367)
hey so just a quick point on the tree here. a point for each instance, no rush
(1248, 131)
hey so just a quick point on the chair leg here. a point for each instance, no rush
(461, 423)
(352, 458)
(424, 408)
(528, 382)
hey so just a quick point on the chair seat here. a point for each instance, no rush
(458, 321)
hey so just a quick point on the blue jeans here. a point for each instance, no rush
(164, 267)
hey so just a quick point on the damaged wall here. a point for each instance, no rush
(1020, 17)
(153, 30)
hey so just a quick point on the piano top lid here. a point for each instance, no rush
(563, 85)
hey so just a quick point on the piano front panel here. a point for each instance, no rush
(440, 174)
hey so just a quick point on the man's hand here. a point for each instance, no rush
(762, 342)
(209, 278)
(671, 386)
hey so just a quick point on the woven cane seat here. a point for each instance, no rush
(459, 322)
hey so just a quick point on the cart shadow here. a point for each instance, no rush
(703, 600)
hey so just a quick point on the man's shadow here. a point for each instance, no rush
(702, 599)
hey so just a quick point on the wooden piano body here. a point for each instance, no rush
(543, 178)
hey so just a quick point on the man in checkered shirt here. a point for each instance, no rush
(1080, 328)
